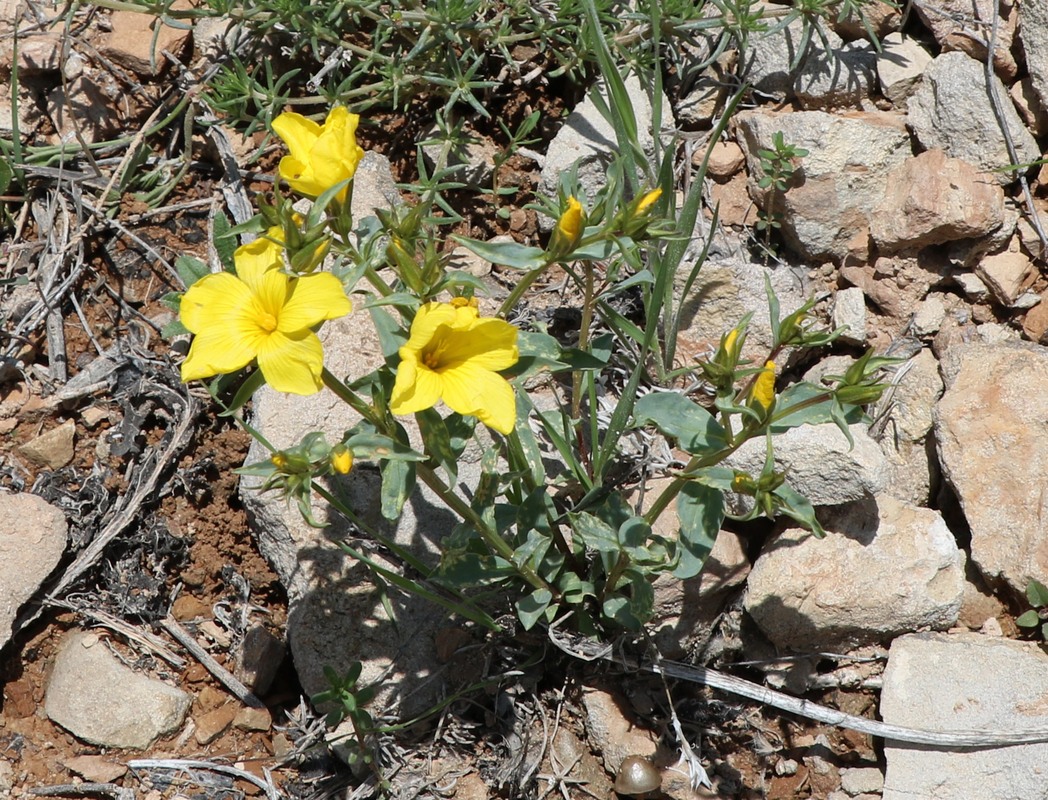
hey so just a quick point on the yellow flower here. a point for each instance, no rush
(341, 459)
(453, 355)
(321, 155)
(763, 394)
(261, 313)
(570, 227)
(648, 201)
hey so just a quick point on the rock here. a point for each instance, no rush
(952, 22)
(819, 462)
(992, 431)
(706, 96)
(470, 157)
(951, 111)
(373, 186)
(974, 289)
(880, 17)
(135, 43)
(32, 541)
(51, 450)
(773, 60)
(464, 259)
(900, 65)
(725, 159)
(836, 77)
(965, 681)
(917, 390)
(931, 199)
(1034, 36)
(826, 211)
(1006, 275)
(849, 312)
(883, 569)
(611, 733)
(253, 719)
(1035, 323)
(212, 724)
(862, 780)
(588, 140)
(930, 315)
(258, 657)
(1029, 106)
(40, 53)
(96, 698)
(725, 291)
(95, 769)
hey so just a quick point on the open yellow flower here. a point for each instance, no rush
(453, 355)
(261, 313)
(321, 155)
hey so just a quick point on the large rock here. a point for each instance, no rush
(953, 21)
(932, 199)
(773, 61)
(32, 541)
(882, 570)
(839, 77)
(992, 429)
(96, 698)
(1034, 35)
(826, 209)
(820, 463)
(965, 681)
(951, 111)
(900, 65)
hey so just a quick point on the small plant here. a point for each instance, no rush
(1037, 594)
(347, 701)
(778, 167)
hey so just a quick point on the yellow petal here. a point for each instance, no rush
(570, 222)
(212, 300)
(485, 395)
(648, 201)
(416, 388)
(428, 319)
(489, 344)
(254, 259)
(313, 298)
(299, 133)
(764, 387)
(292, 363)
(219, 350)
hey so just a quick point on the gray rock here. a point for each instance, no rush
(849, 312)
(472, 158)
(918, 387)
(952, 22)
(965, 681)
(587, 139)
(1034, 36)
(32, 541)
(862, 780)
(929, 316)
(883, 570)
(836, 77)
(96, 698)
(773, 61)
(951, 111)
(51, 450)
(992, 431)
(820, 464)
(826, 211)
(974, 289)
(900, 65)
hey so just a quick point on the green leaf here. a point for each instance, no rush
(224, 244)
(173, 329)
(190, 269)
(530, 608)
(676, 416)
(1037, 594)
(506, 254)
(391, 335)
(700, 510)
(1028, 619)
(595, 533)
(791, 413)
(376, 446)
(438, 442)
(398, 481)
(797, 506)
(6, 175)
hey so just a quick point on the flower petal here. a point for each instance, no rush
(427, 320)
(416, 388)
(219, 350)
(313, 298)
(212, 300)
(254, 259)
(480, 393)
(292, 363)
(489, 344)
(299, 133)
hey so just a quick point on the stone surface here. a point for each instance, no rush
(849, 312)
(819, 462)
(951, 111)
(1034, 38)
(952, 23)
(900, 65)
(32, 541)
(96, 769)
(881, 571)
(96, 698)
(134, 43)
(610, 729)
(1029, 106)
(212, 724)
(773, 61)
(588, 140)
(862, 780)
(258, 657)
(839, 77)
(725, 159)
(51, 450)
(991, 426)
(1006, 275)
(826, 209)
(931, 199)
(930, 315)
(965, 681)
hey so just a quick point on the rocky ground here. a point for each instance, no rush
(162, 622)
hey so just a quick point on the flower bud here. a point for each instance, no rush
(763, 395)
(568, 232)
(341, 459)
